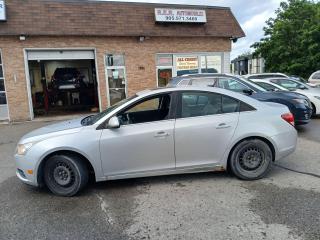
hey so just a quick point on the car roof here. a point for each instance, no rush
(236, 95)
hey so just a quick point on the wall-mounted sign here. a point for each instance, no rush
(180, 15)
(187, 65)
(3, 16)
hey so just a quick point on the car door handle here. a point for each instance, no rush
(161, 134)
(222, 126)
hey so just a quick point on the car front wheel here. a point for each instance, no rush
(251, 159)
(65, 175)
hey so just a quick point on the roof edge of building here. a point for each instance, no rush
(139, 3)
(113, 35)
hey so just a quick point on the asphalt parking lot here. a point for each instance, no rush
(285, 205)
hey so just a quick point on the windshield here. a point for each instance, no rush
(303, 84)
(92, 119)
(252, 85)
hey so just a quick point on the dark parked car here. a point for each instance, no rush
(67, 78)
(297, 103)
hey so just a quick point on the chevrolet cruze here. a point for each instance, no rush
(159, 132)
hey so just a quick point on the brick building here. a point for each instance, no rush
(67, 56)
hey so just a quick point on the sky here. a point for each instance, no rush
(251, 15)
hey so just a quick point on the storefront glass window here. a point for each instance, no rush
(3, 98)
(116, 74)
(164, 60)
(187, 65)
(211, 64)
(164, 76)
(171, 65)
(164, 68)
(115, 60)
(2, 88)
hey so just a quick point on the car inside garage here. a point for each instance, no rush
(62, 82)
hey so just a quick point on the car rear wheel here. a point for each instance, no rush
(251, 159)
(65, 175)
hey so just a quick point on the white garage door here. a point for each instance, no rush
(60, 54)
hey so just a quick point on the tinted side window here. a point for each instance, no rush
(267, 86)
(229, 105)
(232, 84)
(195, 104)
(246, 107)
(184, 82)
(203, 82)
(148, 110)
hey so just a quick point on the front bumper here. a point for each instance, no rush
(24, 166)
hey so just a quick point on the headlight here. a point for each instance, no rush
(23, 148)
(317, 97)
(301, 101)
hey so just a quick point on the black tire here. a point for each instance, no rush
(251, 159)
(314, 110)
(65, 175)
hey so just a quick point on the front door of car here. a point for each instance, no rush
(144, 141)
(204, 127)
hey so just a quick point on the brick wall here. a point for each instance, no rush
(139, 57)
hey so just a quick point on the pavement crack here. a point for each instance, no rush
(105, 209)
(5, 143)
(297, 171)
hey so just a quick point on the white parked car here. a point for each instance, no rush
(315, 78)
(159, 132)
(274, 84)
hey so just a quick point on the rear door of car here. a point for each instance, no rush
(205, 124)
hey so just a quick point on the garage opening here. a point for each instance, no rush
(63, 82)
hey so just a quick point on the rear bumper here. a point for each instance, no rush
(302, 115)
(286, 143)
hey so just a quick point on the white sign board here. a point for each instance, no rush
(3, 16)
(187, 63)
(180, 15)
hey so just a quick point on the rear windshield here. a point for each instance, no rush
(316, 76)
(66, 72)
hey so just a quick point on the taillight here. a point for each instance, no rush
(289, 118)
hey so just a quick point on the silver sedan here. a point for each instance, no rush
(159, 132)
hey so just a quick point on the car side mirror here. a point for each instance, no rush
(247, 91)
(114, 122)
(302, 87)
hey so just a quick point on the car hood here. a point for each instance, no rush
(311, 90)
(65, 127)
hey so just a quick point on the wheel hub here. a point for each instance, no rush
(251, 159)
(63, 174)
